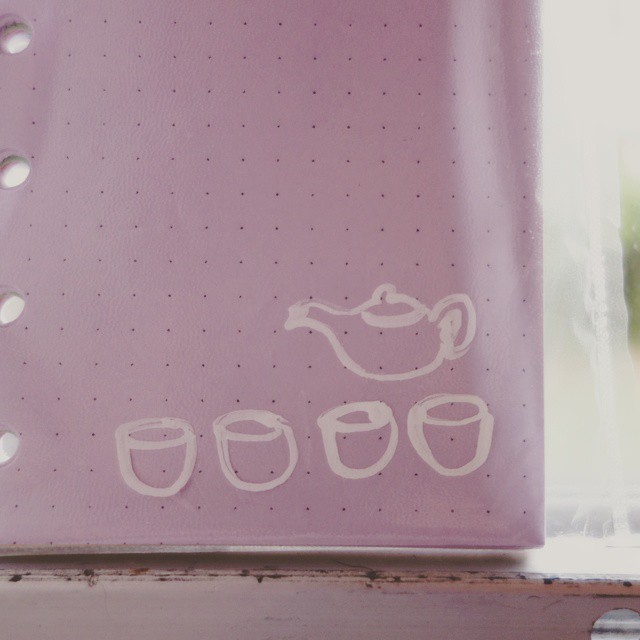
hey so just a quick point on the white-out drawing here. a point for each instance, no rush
(331, 424)
(126, 443)
(277, 427)
(419, 416)
(447, 313)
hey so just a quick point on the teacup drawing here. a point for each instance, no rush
(447, 317)
(331, 423)
(422, 413)
(277, 427)
(126, 443)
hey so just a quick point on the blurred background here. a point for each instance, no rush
(591, 205)
(626, 24)
(630, 231)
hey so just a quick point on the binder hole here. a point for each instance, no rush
(11, 307)
(617, 623)
(15, 36)
(9, 442)
(14, 171)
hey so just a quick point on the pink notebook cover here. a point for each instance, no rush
(281, 265)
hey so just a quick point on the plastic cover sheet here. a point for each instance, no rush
(282, 266)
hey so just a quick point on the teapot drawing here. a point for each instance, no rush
(446, 315)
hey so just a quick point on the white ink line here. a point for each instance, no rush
(449, 324)
(419, 416)
(126, 443)
(278, 427)
(330, 424)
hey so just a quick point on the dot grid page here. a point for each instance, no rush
(281, 266)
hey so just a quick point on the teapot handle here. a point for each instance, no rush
(449, 316)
